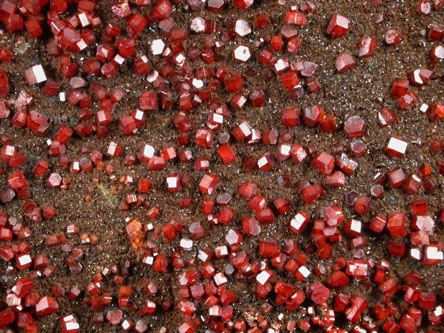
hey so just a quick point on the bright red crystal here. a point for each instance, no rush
(392, 37)
(338, 280)
(353, 312)
(328, 123)
(338, 26)
(295, 18)
(233, 83)
(400, 88)
(354, 126)
(313, 115)
(247, 190)
(22, 287)
(243, 4)
(344, 62)
(324, 163)
(298, 153)
(34, 28)
(58, 6)
(396, 177)
(46, 305)
(312, 193)
(386, 117)
(17, 181)
(137, 22)
(227, 153)
(204, 138)
(290, 117)
(6, 317)
(318, 293)
(396, 224)
(114, 316)
(407, 101)
(257, 97)
(299, 222)
(4, 84)
(436, 111)
(367, 46)
(438, 52)
(251, 226)
(362, 205)
(162, 9)
(268, 248)
(208, 183)
(69, 324)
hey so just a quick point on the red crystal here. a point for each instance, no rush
(233, 83)
(226, 153)
(362, 205)
(137, 22)
(324, 163)
(367, 46)
(354, 126)
(344, 62)
(312, 193)
(386, 117)
(268, 248)
(396, 224)
(400, 88)
(114, 316)
(298, 153)
(353, 312)
(318, 293)
(338, 26)
(208, 183)
(313, 115)
(58, 6)
(407, 100)
(243, 4)
(328, 123)
(22, 287)
(148, 101)
(335, 179)
(17, 181)
(204, 138)
(295, 18)
(438, 52)
(290, 117)
(392, 37)
(6, 317)
(162, 9)
(396, 177)
(34, 28)
(46, 305)
(250, 226)
(247, 190)
(4, 84)
(338, 280)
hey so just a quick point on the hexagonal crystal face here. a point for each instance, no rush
(242, 28)
(157, 46)
(242, 53)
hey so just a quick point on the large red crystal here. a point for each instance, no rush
(324, 163)
(338, 26)
(46, 305)
(208, 183)
(318, 293)
(354, 126)
(4, 84)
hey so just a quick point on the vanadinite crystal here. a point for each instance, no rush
(46, 305)
(338, 26)
(221, 166)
